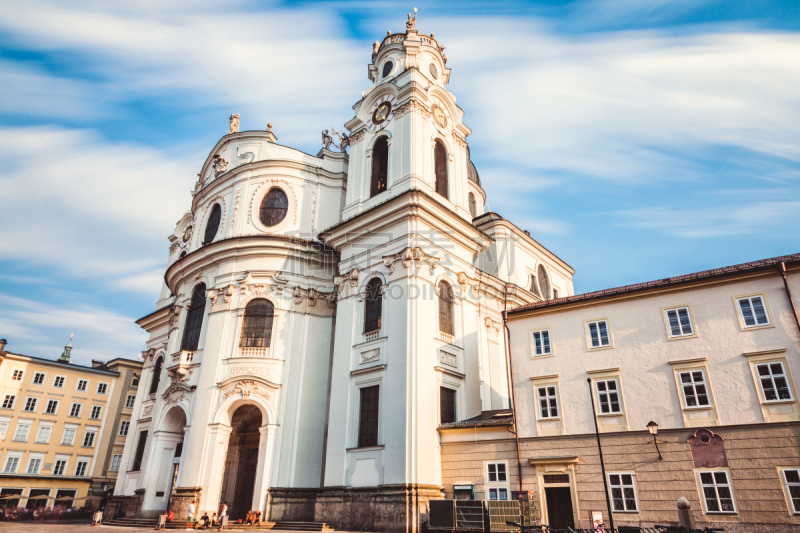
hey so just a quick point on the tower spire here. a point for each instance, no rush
(67, 351)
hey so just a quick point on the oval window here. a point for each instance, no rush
(213, 224)
(273, 207)
(387, 68)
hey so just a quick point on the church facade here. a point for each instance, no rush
(323, 315)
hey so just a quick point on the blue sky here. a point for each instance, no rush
(635, 139)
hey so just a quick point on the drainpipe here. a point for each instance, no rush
(513, 396)
(782, 270)
(600, 449)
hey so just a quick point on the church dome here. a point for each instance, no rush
(472, 174)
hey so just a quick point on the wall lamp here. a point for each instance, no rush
(652, 427)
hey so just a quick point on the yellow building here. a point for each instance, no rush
(62, 427)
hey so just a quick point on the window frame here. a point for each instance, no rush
(15, 455)
(47, 407)
(13, 398)
(195, 317)
(74, 429)
(692, 323)
(63, 381)
(454, 392)
(740, 316)
(63, 471)
(698, 477)
(531, 338)
(555, 397)
(99, 414)
(37, 374)
(22, 423)
(86, 434)
(446, 307)
(784, 374)
(104, 385)
(638, 509)
(128, 401)
(497, 484)
(441, 162)
(375, 300)
(618, 390)
(774, 410)
(78, 464)
(82, 382)
(72, 409)
(118, 458)
(127, 428)
(255, 324)
(262, 198)
(363, 432)
(39, 458)
(375, 171)
(705, 383)
(17, 374)
(588, 333)
(39, 433)
(28, 401)
(786, 484)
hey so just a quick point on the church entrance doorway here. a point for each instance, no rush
(241, 462)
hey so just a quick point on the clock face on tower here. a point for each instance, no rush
(439, 116)
(382, 113)
(187, 234)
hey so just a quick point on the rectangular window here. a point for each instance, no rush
(598, 334)
(88, 439)
(548, 401)
(124, 425)
(43, 437)
(130, 400)
(496, 473)
(75, 410)
(34, 464)
(81, 467)
(680, 322)
(69, 437)
(608, 397)
(135, 381)
(83, 384)
(499, 493)
(61, 466)
(115, 461)
(21, 435)
(791, 478)
(38, 378)
(368, 419)
(52, 407)
(17, 375)
(693, 385)
(12, 463)
(3, 429)
(30, 404)
(754, 313)
(137, 459)
(8, 401)
(717, 492)
(774, 385)
(97, 410)
(58, 382)
(623, 494)
(447, 407)
(541, 342)
(102, 388)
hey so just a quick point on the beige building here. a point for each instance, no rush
(62, 427)
(710, 357)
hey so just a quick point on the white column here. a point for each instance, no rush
(218, 439)
(159, 469)
(266, 447)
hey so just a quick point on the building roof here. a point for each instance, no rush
(762, 264)
(496, 418)
(70, 366)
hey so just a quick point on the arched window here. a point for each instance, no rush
(473, 205)
(157, 366)
(257, 326)
(194, 319)
(183, 254)
(380, 166)
(213, 224)
(544, 282)
(373, 306)
(273, 207)
(446, 308)
(534, 286)
(440, 168)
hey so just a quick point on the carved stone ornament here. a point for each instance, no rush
(175, 393)
(174, 247)
(370, 355)
(312, 295)
(448, 359)
(463, 280)
(411, 256)
(708, 449)
(358, 136)
(246, 158)
(491, 325)
(351, 276)
(174, 313)
(233, 123)
(179, 374)
(248, 388)
(148, 410)
(148, 355)
(236, 205)
(220, 165)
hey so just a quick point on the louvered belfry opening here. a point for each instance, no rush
(380, 166)
(257, 326)
(440, 166)
(373, 306)
(194, 319)
(445, 308)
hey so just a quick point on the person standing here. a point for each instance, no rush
(223, 513)
(190, 511)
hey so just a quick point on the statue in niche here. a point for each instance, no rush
(234, 123)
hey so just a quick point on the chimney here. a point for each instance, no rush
(3, 343)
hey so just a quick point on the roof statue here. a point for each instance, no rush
(327, 140)
(234, 123)
(411, 23)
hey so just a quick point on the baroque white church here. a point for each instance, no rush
(322, 315)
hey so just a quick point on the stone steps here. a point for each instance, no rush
(151, 523)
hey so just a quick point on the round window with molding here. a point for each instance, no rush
(272, 209)
(434, 71)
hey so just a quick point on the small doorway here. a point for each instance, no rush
(241, 462)
(559, 507)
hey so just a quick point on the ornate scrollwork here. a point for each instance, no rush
(410, 256)
(351, 276)
(220, 165)
(248, 388)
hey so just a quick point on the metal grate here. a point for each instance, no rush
(501, 512)
(556, 478)
(469, 515)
